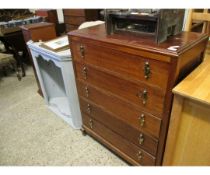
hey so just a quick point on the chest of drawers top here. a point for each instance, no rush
(139, 45)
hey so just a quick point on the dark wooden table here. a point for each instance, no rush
(15, 44)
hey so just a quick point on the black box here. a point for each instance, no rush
(155, 23)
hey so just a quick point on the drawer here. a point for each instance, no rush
(74, 20)
(152, 99)
(124, 111)
(138, 68)
(117, 142)
(146, 123)
(131, 134)
(74, 12)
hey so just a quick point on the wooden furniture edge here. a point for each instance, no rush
(173, 130)
(110, 146)
(74, 34)
(191, 80)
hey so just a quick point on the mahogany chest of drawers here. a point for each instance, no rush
(124, 85)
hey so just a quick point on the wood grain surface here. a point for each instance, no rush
(196, 86)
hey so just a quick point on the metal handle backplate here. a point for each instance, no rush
(140, 155)
(86, 92)
(147, 70)
(84, 72)
(143, 96)
(91, 123)
(88, 109)
(141, 139)
(142, 120)
(82, 51)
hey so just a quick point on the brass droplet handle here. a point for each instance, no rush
(86, 92)
(139, 155)
(91, 123)
(146, 70)
(142, 120)
(88, 109)
(141, 139)
(84, 72)
(143, 95)
(82, 51)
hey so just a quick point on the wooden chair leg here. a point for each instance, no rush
(4, 70)
(18, 74)
(13, 67)
(17, 70)
(23, 71)
(20, 54)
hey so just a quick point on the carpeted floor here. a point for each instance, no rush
(30, 134)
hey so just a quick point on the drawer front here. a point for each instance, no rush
(74, 20)
(131, 134)
(126, 112)
(131, 150)
(152, 99)
(138, 68)
(145, 123)
(74, 12)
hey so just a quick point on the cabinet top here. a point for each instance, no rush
(36, 25)
(184, 40)
(196, 85)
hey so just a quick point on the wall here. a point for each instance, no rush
(60, 15)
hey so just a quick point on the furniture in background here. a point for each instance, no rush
(51, 16)
(10, 22)
(14, 14)
(74, 17)
(196, 17)
(15, 45)
(7, 60)
(11, 35)
(125, 87)
(56, 77)
(188, 138)
(40, 31)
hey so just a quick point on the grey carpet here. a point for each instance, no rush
(30, 134)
